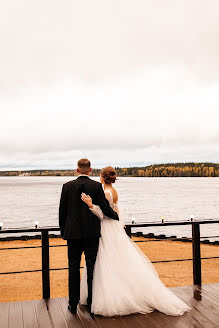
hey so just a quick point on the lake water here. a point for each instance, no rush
(26, 199)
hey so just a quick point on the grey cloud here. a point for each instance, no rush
(136, 82)
(125, 158)
(91, 41)
(121, 141)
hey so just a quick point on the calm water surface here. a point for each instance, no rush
(26, 199)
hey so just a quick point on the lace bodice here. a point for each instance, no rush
(98, 212)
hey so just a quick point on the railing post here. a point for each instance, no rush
(45, 264)
(197, 278)
(128, 230)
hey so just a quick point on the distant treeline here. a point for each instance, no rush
(172, 170)
(155, 170)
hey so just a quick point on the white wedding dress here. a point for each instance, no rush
(125, 281)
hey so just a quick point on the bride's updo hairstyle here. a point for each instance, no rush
(108, 174)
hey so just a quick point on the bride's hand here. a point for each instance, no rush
(87, 199)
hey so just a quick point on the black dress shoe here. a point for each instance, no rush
(72, 309)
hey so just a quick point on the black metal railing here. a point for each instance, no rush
(196, 239)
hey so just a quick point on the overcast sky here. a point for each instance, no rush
(121, 82)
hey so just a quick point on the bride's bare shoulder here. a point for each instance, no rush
(111, 195)
(107, 195)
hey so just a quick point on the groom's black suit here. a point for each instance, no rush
(81, 228)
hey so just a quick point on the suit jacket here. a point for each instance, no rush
(76, 220)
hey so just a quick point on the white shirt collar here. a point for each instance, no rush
(83, 175)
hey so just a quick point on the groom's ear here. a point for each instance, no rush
(90, 169)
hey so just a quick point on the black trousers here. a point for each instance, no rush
(75, 249)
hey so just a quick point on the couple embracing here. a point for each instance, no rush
(118, 278)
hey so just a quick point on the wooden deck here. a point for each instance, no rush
(54, 313)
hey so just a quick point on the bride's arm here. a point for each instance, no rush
(95, 209)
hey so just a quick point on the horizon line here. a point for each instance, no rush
(122, 167)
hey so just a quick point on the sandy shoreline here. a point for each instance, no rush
(28, 286)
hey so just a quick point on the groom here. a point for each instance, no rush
(81, 228)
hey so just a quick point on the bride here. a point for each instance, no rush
(124, 280)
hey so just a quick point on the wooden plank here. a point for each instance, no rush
(119, 322)
(201, 299)
(33, 314)
(15, 315)
(160, 319)
(56, 313)
(214, 288)
(210, 287)
(189, 319)
(42, 314)
(208, 296)
(177, 321)
(145, 321)
(201, 311)
(132, 321)
(193, 317)
(210, 293)
(137, 321)
(4, 315)
(104, 322)
(72, 320)
(85, 317)
(29, 314)
(215, 285)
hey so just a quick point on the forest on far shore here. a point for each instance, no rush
(155, 170)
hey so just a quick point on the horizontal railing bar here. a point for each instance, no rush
(210, 237)
(169, 223)
(136, 241)
(1, 249)
(21, 271)
(30, 247)
(161, 239)
(180, 260)
(208, 258)
(29, 271)
(56, 269)
(136, 225)
(180, 240)
(17, 230)
(164, 239)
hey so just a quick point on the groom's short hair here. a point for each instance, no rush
(84, 165)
